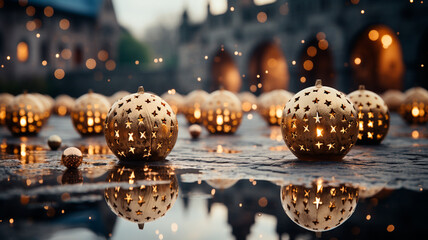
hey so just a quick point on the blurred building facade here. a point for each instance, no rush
(52, 37)
(290, 43)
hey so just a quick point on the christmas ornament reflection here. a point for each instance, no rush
(142, 202)
(373, 116)
(141, 126)
(319, 123)
(221, 112)
(320, 207)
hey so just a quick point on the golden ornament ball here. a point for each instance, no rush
(5, 99)
(72, 157)
(192, 106)
(320, 207)
(195, 130)
(141, 127)
(47, 107)
(414, 109)
(221, 112)
(89, 113)
(54, 142)
(118, 95)
(142, 202)
(393, 99)
(221, 183)
(248, 101)
(271, 104)
(24, 115)
(176, 101)
(63, 105)
(319, 123)
(373, 116)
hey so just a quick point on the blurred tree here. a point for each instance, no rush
(131, 50)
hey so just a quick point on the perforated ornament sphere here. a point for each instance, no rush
(393, 99)
(319, 123)
(5, 99)
(373, 116)
(193, 104)
(248, 101)
(221, 112)
(89, 113)
(320, 207)
(414, 108)
(271, 104)
(63, 105)
(175, 100)
(142, 203)
(24, 115)
(141, 127)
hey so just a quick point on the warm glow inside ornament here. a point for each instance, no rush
(248, 101)
(373, 116)
(193, 104)
(321, 207)
(414, 108)
(393, 99)
(221, 112)
(24, 115)
(47, 106)
(141, 126)
(319, 123)
(89, 113)
(175, 100)
(142, 202)
(5, 99)
(63, 105)
(271, 104)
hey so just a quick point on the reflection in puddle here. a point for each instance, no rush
(221, 149)
(275, 133)
(222, 184)
(320, 207)
(72, 176)
(141, 203)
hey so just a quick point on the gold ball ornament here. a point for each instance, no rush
(320, 207)
(24, 115)
(118, 95)
(47, 106)
(89, 113)
(271, 104)
(72, 157)
(5, 99)
(193, 104)
(248, 101)
(393, 99)
(195, 130)
(414, 109)
(319, 123)
(176, 101)
(142, 203)
(221, 112)
(63, 105)
(373, 116)
(141, 126)
(54, 142)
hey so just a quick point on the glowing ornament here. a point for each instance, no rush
(118, 95)
(47, 106)
(176, 101)
(393, 99)
(193, 104)
(89, 113)
(5, 99)
(271, 104)
(145, 201)
(141, 126)
(54, 142)
(320, 207)
(414, 108)
(248, 101)
(319, 123)
(373, 116)
(63, 105)
(72, 157)
(24, 115)
(221, 112)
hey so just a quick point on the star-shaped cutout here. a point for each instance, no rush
(317, 118)
(143, 135)
(139, 107)
(132, 149)
(128, 123)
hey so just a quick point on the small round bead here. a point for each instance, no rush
(54, 142)
(72, 157)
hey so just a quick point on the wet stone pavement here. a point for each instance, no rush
(237, 171)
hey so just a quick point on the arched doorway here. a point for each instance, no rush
(268, 69)
(316, 62)
(376, 59)
(422, 63)
(224, 72)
